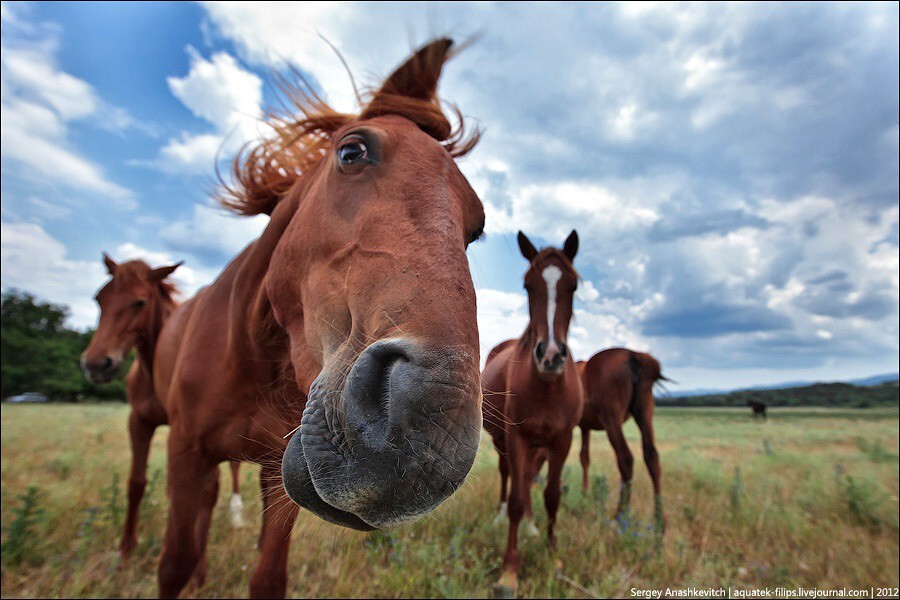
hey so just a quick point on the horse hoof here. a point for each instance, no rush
(507, 587)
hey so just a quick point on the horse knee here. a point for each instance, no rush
(516, 510)
(136, 487)
(551, 500)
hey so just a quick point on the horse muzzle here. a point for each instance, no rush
(102, 370)
(388, 442)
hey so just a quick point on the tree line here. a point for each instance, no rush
(38, 353)
(837, 395)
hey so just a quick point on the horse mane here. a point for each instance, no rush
(264, 171)
(138, 269)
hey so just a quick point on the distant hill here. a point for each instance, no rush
(844, 395)
(865, 382)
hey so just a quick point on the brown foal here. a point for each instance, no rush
(533, 396)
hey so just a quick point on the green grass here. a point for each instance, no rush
(808, 498)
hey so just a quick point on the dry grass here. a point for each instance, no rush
(809, 498)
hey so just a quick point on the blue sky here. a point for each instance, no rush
(732, 169)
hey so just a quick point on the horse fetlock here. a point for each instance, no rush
(236, 509)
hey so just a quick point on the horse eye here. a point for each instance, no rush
(139, 303)
(352, 152)
(475, 235)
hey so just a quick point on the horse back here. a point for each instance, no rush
(608, 381)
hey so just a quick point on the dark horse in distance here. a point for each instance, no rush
(759, 409)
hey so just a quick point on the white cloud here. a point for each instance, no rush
(38, 102)
(222, 93)
(33, 260)
(501, 316)
(211, 232)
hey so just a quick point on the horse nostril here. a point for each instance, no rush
(107, 362)
(563, 350)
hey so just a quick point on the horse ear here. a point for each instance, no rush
(416, 78)
(526, 247)
(163, 272)
(570, 248)
(111, 265)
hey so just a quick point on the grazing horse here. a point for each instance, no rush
(759, 409)
(618, 384)
(134, 305)
(533, 396)
(350, 322)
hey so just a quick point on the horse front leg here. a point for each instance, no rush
(508, 584)
(188, 470)
(140, 433)
(208, 498)
(270, 578)
(553, 492)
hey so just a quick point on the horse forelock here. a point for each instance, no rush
(265, 171)
(139, 271)
(542, 258)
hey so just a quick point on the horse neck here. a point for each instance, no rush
(161, 307)
(253, 332)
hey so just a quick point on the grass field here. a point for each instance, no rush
(807, 499)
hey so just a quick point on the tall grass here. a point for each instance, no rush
(798, 500)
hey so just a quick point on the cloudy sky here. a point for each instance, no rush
(732, 170)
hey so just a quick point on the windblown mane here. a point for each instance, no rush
(264, 171)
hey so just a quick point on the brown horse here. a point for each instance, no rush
(134, 305)
(618, 384)
(533, 396)
(354, 310)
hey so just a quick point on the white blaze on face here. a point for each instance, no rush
(552, 275)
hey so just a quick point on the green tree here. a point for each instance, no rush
(39, 353)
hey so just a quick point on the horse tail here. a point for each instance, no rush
(644, 368)
(635, 364)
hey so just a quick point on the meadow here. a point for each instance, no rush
(808, 498)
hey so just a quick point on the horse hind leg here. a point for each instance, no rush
(585, 457)
(503, 465)
(644, 419)
(236, 504)
(625, 461)
(140, 433)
